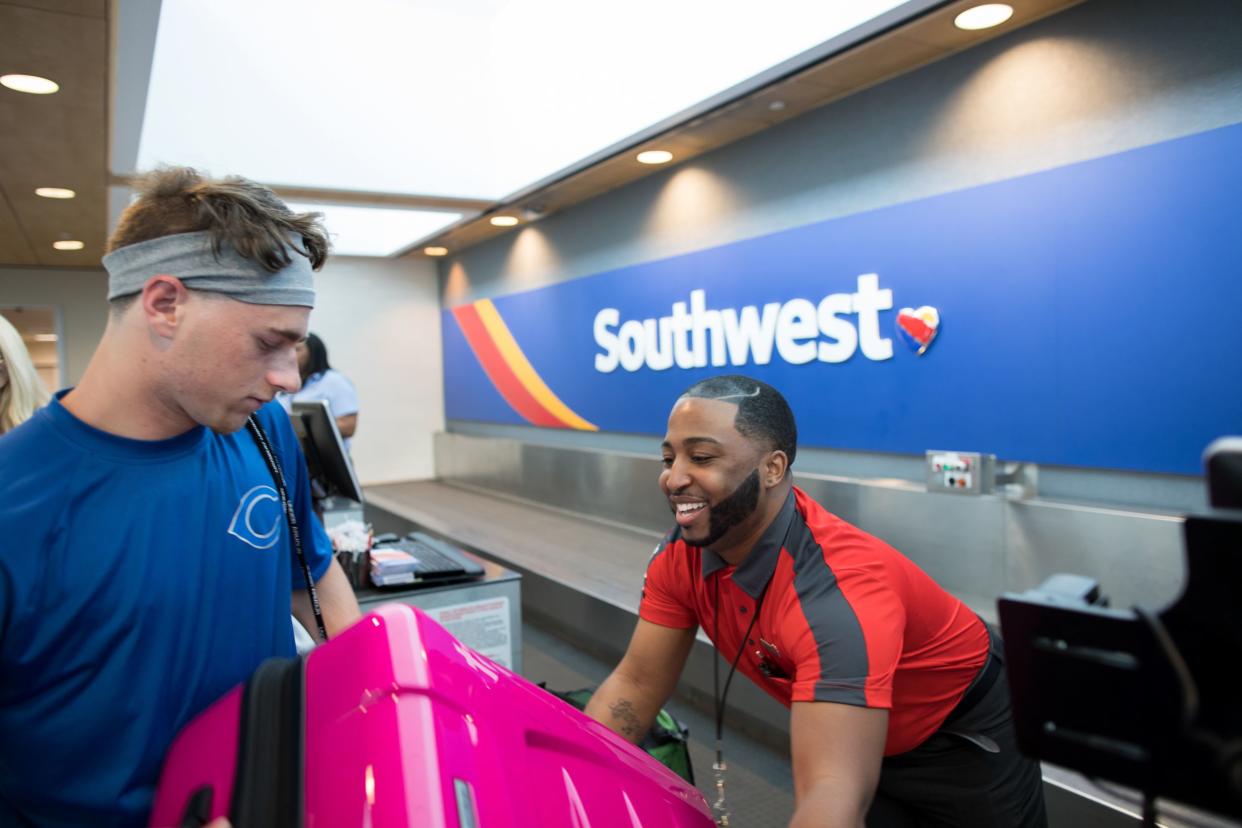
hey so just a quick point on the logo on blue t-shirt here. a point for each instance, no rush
(254, 522)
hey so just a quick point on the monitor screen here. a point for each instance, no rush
(331, 472)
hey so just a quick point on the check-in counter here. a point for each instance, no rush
(483, 613)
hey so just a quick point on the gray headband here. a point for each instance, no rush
(190, 257)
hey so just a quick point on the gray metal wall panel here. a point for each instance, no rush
(612, 486)
(976, 547)
(959, 541)
(1136, 556)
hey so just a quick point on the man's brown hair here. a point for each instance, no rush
(245, 215)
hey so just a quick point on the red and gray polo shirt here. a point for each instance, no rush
(844, 618)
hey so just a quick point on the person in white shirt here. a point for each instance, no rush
(320, 381)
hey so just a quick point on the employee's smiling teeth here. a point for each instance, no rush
(688, 511)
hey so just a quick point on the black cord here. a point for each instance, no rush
(273, 466)
(720, 699)
(716, 694)
(1149, 810)
(1188, 703)
(1181, 671)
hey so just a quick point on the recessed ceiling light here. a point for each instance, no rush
(983, 17)
(68, 244)
(435, 251)
(54, 192)
(654, 157)
(776, 106)
(45, 337)
(504, 221)
(33, 84)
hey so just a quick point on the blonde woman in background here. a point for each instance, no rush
(21, 390)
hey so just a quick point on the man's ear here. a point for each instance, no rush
(775, 465)
(163, 303)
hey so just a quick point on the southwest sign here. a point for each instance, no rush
(1080, 316)
(799, 330)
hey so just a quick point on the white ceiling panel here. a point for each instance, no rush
(459, 98)
(374, 231)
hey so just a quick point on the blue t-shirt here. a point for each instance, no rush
(139, 581)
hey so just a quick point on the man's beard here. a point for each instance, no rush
(734, 509)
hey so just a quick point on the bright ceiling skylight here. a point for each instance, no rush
(374, 231)
(472, 99)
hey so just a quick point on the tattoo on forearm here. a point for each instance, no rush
(625, 720)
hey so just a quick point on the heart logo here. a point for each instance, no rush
(918, 327)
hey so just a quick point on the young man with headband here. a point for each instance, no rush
(147, 562)
(899, 710)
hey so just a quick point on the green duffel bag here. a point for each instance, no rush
(668, 740)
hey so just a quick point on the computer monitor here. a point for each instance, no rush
(1222, 462)
(327, 463)
(1146, 698)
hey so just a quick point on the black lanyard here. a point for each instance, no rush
(273, 466)
(741, 647)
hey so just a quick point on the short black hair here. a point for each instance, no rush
(317, 356)
(762, 412)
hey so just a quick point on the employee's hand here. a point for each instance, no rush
(222, 822)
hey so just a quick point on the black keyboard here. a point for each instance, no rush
(433, 562)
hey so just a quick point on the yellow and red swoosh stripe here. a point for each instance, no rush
(510, 371)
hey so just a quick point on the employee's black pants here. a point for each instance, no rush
(950, 781)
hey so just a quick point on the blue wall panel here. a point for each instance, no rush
(1089, 317)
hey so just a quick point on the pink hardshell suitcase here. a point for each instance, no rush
(396, 724)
